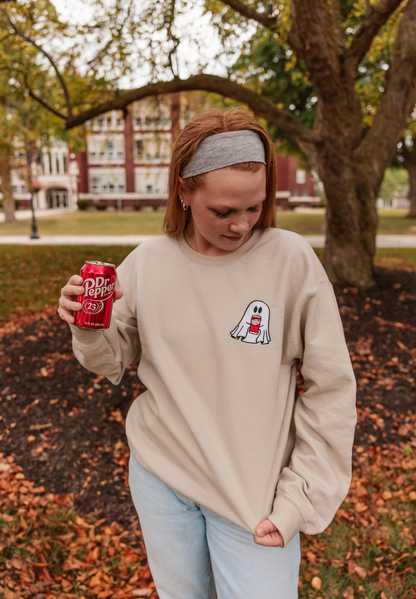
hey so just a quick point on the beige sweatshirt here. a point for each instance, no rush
(218, 340)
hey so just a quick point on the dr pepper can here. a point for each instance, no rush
(97, 301)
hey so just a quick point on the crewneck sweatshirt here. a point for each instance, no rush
(218, 340)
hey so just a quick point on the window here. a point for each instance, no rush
(57, 163)
(295, 193)
(95, 184)
(149, 188)
(19, 188)
(110, 182)
(65, 164)
(138, 148)
(109, 148)
(304, 193)
(105, 149)
(300, 176)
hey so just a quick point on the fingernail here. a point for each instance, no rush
(260, 532)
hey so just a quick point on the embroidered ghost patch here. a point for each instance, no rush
(254, 326)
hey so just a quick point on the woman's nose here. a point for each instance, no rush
(240, 226)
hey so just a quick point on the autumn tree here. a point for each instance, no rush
(329, 41)
(26, 120)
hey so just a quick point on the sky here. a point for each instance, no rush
(193, 26)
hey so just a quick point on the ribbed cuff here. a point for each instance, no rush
(287, 518)
(86, 337)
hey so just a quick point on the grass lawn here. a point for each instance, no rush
(91, 223)
(31, 277)
(150, 223)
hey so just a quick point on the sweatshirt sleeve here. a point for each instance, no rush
(314, 484)
(109, 352)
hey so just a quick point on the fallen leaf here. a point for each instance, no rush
(360, 507)
(348, 593)
(142, 592)
(66, 585)
(316, 583)
(81, 522)
(93, 555)
(360, 571)
(8, 594)
(96, 579)
(17, 562)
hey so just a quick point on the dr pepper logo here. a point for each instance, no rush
(99, 288)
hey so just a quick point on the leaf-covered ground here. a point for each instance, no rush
(64, 458)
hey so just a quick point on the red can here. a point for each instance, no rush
(97, 301)
(255, 324)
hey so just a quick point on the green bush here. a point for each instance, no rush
(101, 206)
(82, 204)
(17, 204)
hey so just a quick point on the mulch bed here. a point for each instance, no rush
(64, 425)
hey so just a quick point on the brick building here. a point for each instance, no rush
(126, 159)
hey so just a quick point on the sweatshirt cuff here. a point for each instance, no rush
(87, 337)
(287, 518)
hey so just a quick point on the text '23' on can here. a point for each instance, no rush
(97, 301)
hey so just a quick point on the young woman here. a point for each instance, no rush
(227, 465)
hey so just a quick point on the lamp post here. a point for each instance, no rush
(34, 190)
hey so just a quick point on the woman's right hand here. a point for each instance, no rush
(68, 303)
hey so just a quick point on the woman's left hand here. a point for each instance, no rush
(268, 535)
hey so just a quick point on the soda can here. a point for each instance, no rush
(97, 301)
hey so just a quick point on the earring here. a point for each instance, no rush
(184, 206)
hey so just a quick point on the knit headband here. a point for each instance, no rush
(225, 149)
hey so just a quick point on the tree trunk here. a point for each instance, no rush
(6, 188)
(410, 165)
(351, 224)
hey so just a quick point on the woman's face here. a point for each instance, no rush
(225, 210)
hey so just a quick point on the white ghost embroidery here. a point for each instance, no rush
(254, 326)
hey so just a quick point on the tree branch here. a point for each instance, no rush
(398, 100)
(260, 105)
(319, 25)
(47, 55)
(250, 13)
(271, 23)
(44, 104)
(374, 20)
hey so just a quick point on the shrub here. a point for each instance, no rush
(82, 204)
(17, 204)
(101, 206)
(137, 207)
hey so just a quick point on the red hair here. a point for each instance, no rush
(196, 130)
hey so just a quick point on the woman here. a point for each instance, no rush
(226, 466)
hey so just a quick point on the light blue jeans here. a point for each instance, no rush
(194, 553)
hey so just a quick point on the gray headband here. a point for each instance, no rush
(225, 149)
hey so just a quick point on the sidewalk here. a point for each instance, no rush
(316, 241)
(24, 214)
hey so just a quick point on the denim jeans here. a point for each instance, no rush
(194, 553)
